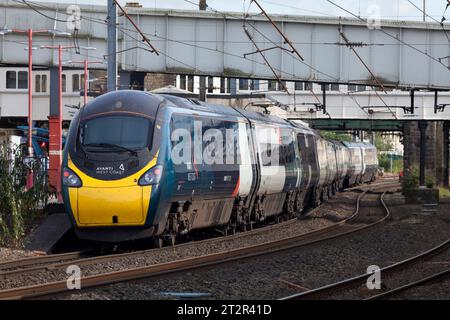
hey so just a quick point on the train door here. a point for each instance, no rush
(273, 175)
(220, 166)
(305, 157)
(187, 172)
(288, 159)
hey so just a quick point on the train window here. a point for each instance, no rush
(125, 131)
(298, 86)
(308, 86)
(22, 80)
(75, 83)
(182, 133)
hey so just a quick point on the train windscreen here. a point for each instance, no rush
(129, 132)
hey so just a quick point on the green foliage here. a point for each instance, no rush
(331, 135)
(444, 193)
(19, 208)
(384, 161)
(429, 180)
(411, 179)
(382, 143)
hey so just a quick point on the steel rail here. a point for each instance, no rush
(411, 285)
(33, 264)
(58, 287)
(26, 262)
(331, 288)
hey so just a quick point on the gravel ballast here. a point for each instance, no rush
(334, 210)
(408, 233)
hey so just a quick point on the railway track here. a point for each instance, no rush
(20, 266)
(344, 227)
(396, 278)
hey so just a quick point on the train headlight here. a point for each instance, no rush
(70, 179)
(151, 177)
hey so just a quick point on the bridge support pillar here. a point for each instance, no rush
(424, 149)
(423, 143)
(446, 142)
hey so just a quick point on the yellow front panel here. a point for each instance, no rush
(98, 206)
(98, 201)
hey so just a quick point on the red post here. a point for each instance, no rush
(30, 176)
(60, 119)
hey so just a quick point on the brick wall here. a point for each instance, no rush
(154, 81)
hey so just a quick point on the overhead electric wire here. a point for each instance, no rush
(441, 23)
(392, 36)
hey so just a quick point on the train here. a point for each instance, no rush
(139, 165)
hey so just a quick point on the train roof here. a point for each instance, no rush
(196, 105)
(128, 101)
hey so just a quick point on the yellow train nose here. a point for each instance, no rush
(109, 206)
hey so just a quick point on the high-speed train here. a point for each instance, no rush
(139, 165)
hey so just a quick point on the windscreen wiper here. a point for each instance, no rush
(112, 145)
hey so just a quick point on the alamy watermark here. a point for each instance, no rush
(74, 18)
(374, 280)
(374, 17)
(208, 145)
(74, 280)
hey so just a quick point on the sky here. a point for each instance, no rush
(388, 9)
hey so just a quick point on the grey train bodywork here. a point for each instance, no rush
(195, 194)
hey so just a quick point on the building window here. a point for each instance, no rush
(210, 84)
(44, 83)
(40, 83)
(22, 80)
(37, 83)
(334, 87)
(222, 85)
(282, 85)
(17, 80)
(63, 83)
(191, 83)
(254, 85)
(243, 84)
(82, 82)
(272, 85)
(183, 82)
(228, 85)
(298, 86)
(75, 83)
